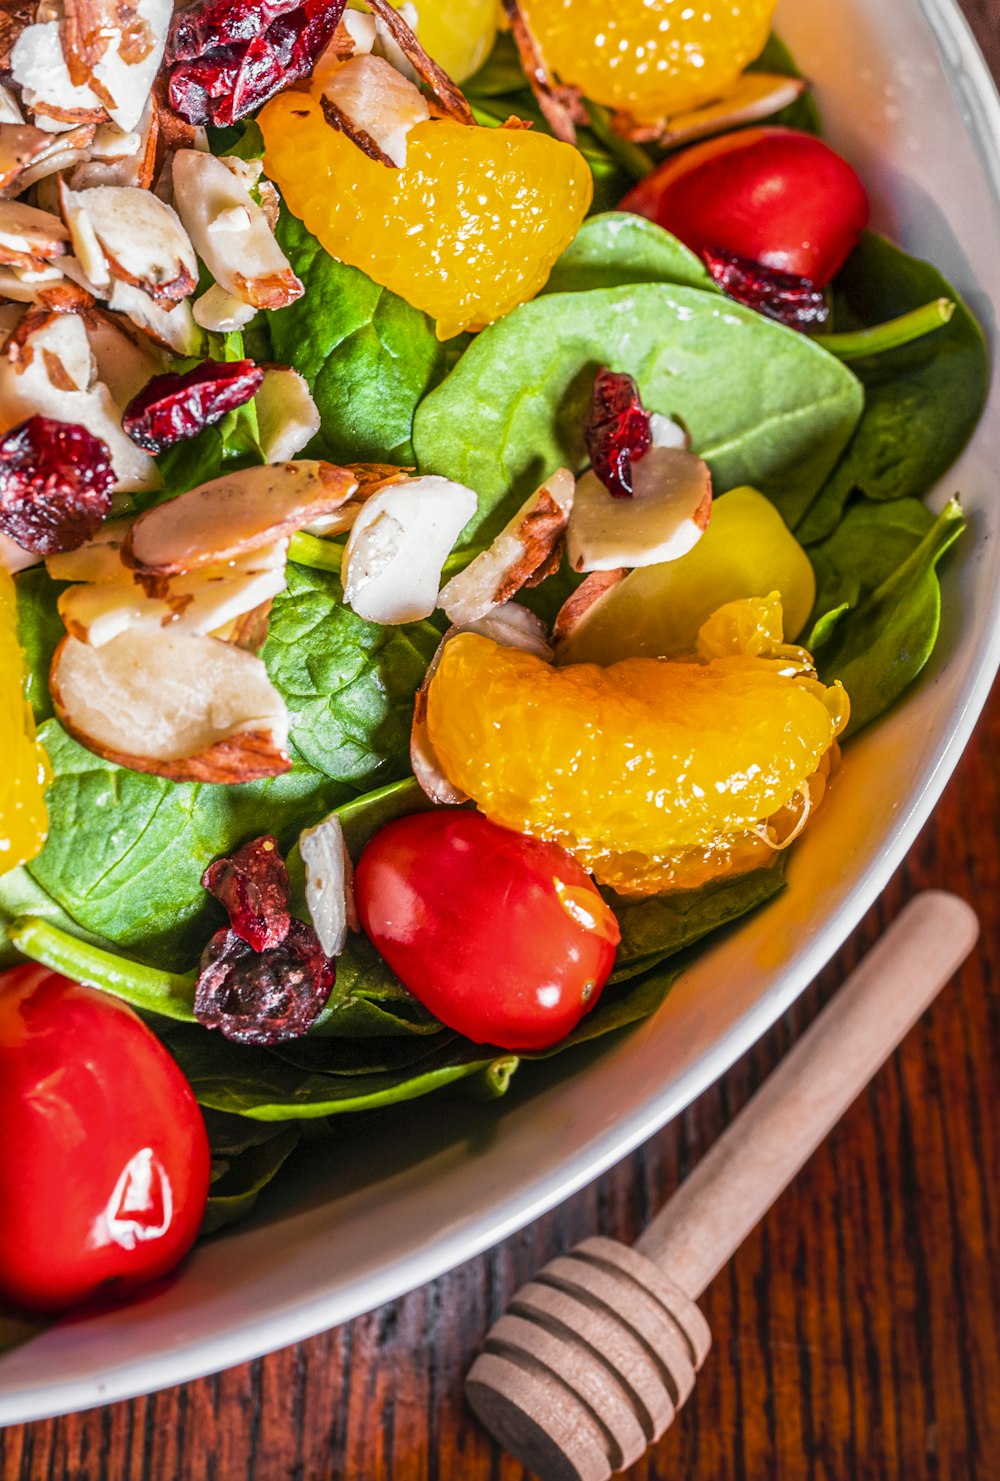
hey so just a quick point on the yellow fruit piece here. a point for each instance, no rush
(25, 772)
(650, 58)
(458, 36)
(652, 773)
(747, 551)
(466, 230)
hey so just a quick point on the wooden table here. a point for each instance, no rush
(856, 1334)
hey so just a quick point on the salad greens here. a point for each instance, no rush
(844, 452)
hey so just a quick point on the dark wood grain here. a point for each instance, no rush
(856, 1333)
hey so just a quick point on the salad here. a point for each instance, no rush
(461, 483)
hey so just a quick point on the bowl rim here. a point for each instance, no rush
(300, 1319)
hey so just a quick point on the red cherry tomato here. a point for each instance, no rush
(104, 1159)
(503, 937)
(773, 195)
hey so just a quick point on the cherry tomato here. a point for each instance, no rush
(104, 1159)
(503, 937)
(772, 195)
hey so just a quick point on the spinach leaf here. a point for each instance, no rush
(126, 850)
(39, 630)
(246, 1156)
(368, 1000)
(763, 404)
(368, 356)
(21, 895)
(348, 684)
(863, 551)
(921, 400)
(662, 925)
(878, 649)
(617, 248)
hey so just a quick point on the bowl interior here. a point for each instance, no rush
(389, 1204)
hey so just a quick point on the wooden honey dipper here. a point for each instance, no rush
(593, 1358)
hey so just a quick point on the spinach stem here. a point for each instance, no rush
(326, 555)
(166, 993)
(638, 162)
(857, 344)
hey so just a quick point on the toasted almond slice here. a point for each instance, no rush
(449, 96)
(15, 17)
(38, 66)
(28, 232)
(522, 550)
(577, 610)
(47, 368)
(98, 561)
(670, 508)
(222, 312)
(11, 315)
(20, 145)
(562, 106)
(173, 327)
(187, 708)
(755, 96)
(398, 546)
(36, 163)
(287, 418)
(10, 113)
(329, 884)
(198, 602)
(244, 259)
(238, 512)
(141, 238)
(370, 101)
(511, 625)
(371, 477)
(13, 558)
(118, 157)
(126, 360)
(665, 432)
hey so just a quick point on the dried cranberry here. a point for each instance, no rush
(252, 884)
(617, 432)
(173, 407)
(55, 484)
(228, 82)
(207, 24)
(794, 302)
(263, 997)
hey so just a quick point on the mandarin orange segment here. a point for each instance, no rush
(650, 58)
(466, 230)
(23, 819)
(634, 765)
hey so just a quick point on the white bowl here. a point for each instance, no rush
(908, 99)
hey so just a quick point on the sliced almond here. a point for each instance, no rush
(371, 477)
(38, 66)
(577, 610)
(125, 359)
(171, 327)
(28, 160)
(449, 97)
(377, 107)
(142, 240)
(25, 231)
(231, 232)
(98, 561)
(239, 512)
(13, 558)
(120, 158)
(522, 551)
(200, 602)
(10, 113)
(20, 145)
(511, 625)
(187, 708)
(561, 106)
(670, 508)
(15, 17)
(329, 884)
(756, 95)
(47, 368)
(222, 312)
(287, 418)
(398, 546)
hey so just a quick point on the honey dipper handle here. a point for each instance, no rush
(731, 1189)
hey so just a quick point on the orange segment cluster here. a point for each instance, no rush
(650, 58)
(23, 819)
(466, 230)
(634, 766)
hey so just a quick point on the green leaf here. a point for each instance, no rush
(764, 405)
(803, 113)
(39, 630)
(663, 925)
(368, 356)
(878, 649)
(863, 551)
(348, 684)
(167, 994)
(246, 1156)
(618, 248)
(126, 851)
(921, 400)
